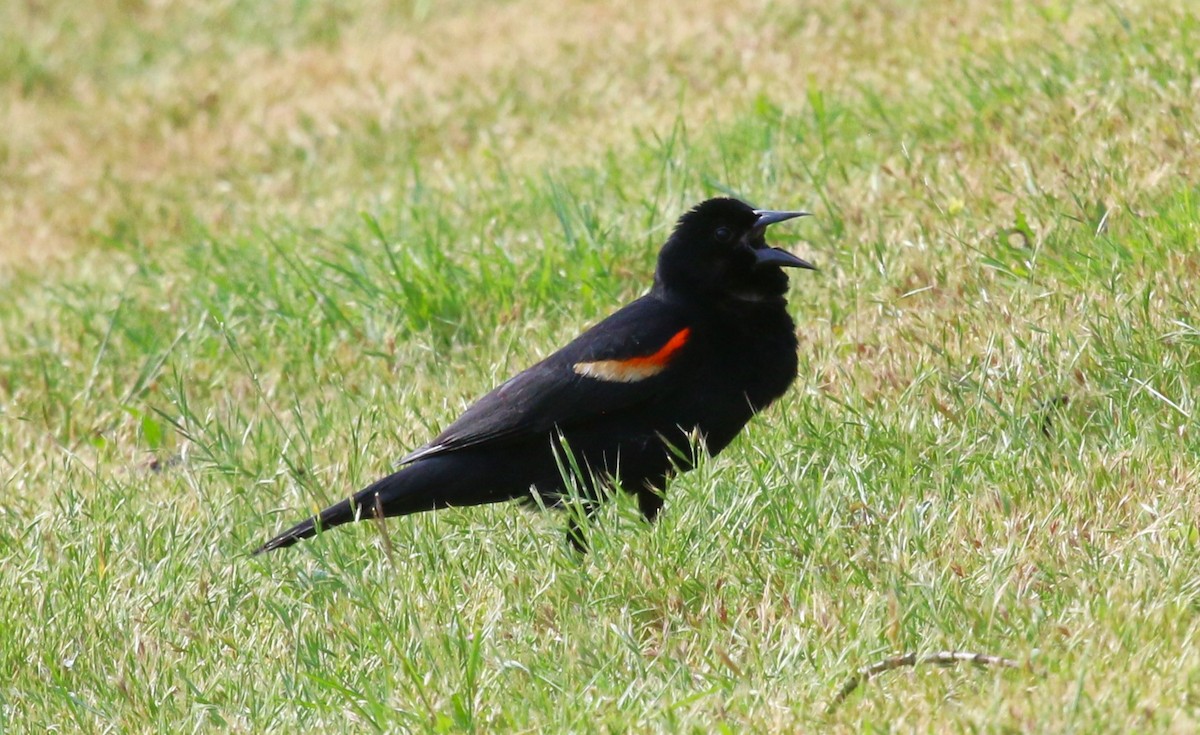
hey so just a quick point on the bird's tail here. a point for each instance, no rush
(347, 511)
(409, 490)
(426, 485)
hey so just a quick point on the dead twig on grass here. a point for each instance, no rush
(941, 658)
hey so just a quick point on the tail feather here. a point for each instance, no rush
(418, 487)
(429, 484)
(346, 511)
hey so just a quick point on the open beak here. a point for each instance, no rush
(769, 217)
(775, 256)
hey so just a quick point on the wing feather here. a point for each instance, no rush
(647, 338)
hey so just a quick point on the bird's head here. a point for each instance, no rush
(718, 250)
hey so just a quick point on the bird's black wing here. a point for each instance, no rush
(619, 363)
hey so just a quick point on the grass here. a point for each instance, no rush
(253, 253)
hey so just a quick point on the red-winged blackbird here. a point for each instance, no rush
(627, 402)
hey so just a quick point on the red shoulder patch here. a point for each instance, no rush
(634, 369)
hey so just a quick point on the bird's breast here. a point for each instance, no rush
(759, 358)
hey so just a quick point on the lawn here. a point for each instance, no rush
(250, 253)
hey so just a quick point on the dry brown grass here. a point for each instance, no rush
(262, 132)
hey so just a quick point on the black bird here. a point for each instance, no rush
(627, 402)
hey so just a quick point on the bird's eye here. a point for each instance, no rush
(723, 234)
